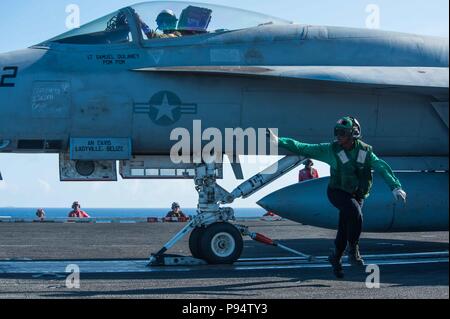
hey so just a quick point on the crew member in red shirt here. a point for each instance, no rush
(176, 212)
(308, 172)
(77, 212)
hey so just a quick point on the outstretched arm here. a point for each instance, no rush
(382, 168)
(320, 152)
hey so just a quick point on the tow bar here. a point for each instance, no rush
(260, 238)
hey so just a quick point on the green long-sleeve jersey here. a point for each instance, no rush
(324, 153)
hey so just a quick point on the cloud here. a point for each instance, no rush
(45, 186)
(96, 186)
(8, 187)
(135, 187)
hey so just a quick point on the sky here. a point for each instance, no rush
(33, 180)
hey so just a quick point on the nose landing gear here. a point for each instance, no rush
(213, 238)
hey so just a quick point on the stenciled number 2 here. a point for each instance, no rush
(8, 75)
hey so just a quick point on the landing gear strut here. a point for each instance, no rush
(213, 238)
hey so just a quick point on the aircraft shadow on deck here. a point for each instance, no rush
(429, 275)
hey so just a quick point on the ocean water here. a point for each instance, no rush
(30, 213)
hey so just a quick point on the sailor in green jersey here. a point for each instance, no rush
(351, 162)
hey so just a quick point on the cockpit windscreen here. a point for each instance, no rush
(164, 19)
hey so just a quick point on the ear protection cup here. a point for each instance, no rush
(357, 132)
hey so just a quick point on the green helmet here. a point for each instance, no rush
(348, 126)
(167, 20)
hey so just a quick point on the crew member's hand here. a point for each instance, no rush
(273, 137)
(399, 194)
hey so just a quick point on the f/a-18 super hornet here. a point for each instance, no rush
(118, 88)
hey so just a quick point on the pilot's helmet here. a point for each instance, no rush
(75, 205)
(167, 20)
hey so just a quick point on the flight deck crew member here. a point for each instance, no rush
(351, 162)
(308, 173)
(77, 212)
(176, 212)
(40, 213)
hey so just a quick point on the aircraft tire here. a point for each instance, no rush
(221, 243)
(194, 242)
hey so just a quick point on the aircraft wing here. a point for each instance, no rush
(431, 80)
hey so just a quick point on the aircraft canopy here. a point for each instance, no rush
(189, 19)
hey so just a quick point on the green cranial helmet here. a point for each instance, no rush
(348, 126)
(345, 123)
(167, 20)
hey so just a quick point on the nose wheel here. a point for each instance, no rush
(219, 243)
(194, 242)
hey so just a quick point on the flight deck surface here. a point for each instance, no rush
(112, 259)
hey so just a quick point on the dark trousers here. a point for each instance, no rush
(350, 218)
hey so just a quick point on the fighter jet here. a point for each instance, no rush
(117, 88)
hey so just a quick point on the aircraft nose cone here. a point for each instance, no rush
(4, 59)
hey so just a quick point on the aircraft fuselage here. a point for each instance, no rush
(50, 94)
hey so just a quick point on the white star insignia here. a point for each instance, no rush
(165, 109)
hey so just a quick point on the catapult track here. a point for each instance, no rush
(39, 269)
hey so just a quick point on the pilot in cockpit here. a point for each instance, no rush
(167, 24)
(193, 21)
